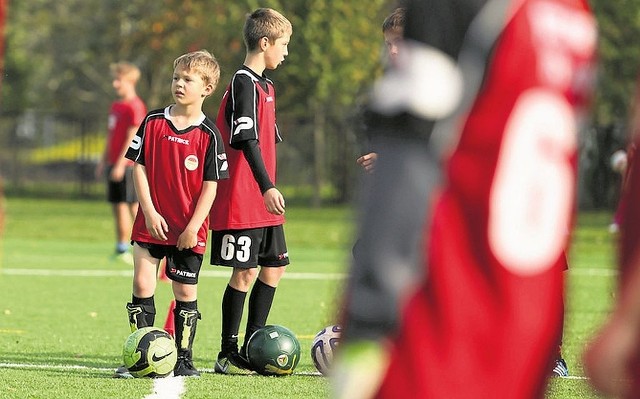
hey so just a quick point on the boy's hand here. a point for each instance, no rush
(368, 161)
(99, 171)
(117, 172)
(274, 201)
(156, 226)
(187, 240)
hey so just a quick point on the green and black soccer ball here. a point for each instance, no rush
(273, 350)
(150, 352)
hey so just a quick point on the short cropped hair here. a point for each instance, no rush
(395, 21)
(265, 22)
(125, 69)
(201, 62)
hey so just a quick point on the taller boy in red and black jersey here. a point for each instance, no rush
(179, 159)
(248, 215)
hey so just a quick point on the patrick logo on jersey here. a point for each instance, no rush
(175, 139)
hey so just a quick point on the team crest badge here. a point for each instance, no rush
(191, 162)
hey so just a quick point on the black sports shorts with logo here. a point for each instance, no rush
(181, 266)
(249, 248)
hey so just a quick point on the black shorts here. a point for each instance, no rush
(181, 266)
(121, 191)
(264, 246)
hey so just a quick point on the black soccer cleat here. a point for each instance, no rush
(560, 369)
(231, 363)
(122, 372)
(184, 366)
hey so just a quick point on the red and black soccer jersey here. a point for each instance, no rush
(123, 115)
(486, 321)
(177, 163)
(247, 112)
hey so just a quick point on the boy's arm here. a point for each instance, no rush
(102, 162)
(245, 137)
(189, 237)
(252, 154)
(156, 225)
(273, 199)
(117, 172)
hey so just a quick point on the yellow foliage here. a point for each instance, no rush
(88, 148)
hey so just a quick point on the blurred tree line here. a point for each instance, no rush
(59, 51)
(58, 54)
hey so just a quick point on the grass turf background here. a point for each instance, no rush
(61, 333)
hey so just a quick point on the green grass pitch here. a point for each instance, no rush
(63, 321)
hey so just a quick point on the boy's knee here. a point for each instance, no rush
(271, 275)
(185, 292)
(241, 279)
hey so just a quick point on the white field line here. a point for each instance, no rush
(62, 367)
(165, 384)
(110, 370)
(163, 388)
(167, 388)
(595, 272)
(129, 273)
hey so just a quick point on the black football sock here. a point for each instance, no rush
(260, 302)
(232, 308)
(142, 312)
(559, 353)
(185, 318)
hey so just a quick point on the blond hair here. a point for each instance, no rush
(201, 62)
(265, 22)
(125, 69)
(395, 21)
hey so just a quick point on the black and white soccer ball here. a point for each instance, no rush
(273, 350)
(150, 352)
(323, 347)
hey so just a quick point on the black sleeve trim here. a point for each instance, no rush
(252, 154)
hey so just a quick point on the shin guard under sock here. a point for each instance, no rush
(142, 312)
(260, 302)
(186, 318)
(232, 308)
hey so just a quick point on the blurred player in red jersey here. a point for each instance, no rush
(500, 87)
(612, 359)
(125, 116)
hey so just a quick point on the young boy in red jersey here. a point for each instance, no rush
(125, 116)
(179, 159)
(248, 215)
